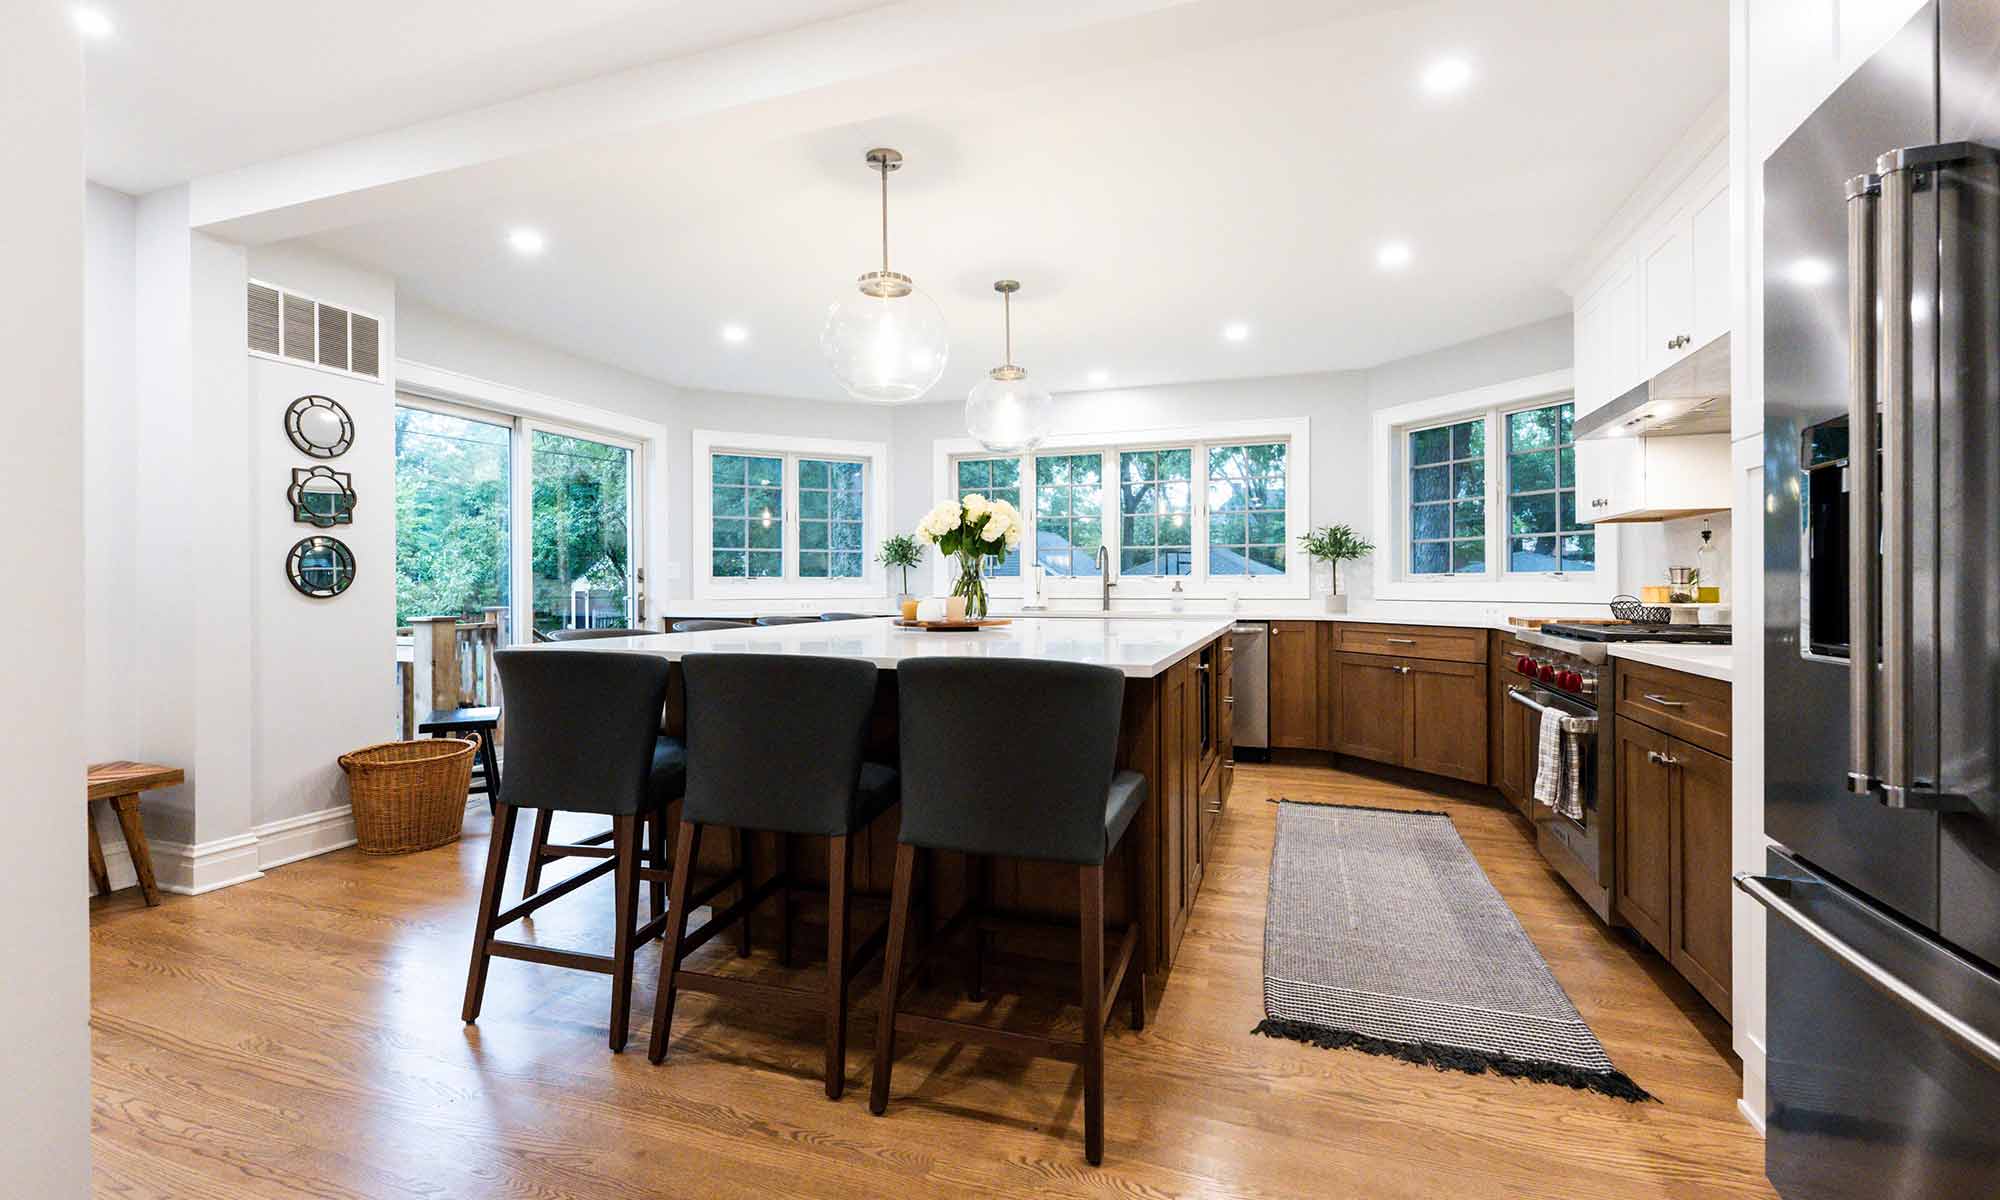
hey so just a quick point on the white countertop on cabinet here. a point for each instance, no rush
(1712, 662)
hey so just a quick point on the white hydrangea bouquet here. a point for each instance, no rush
(971, 530)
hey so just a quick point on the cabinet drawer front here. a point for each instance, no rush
(1415, 641)
(1688, 706)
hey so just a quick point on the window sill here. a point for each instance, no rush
(1511, 591)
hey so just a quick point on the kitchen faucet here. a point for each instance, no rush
(1104, 573)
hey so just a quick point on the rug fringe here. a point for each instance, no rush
(1405, 812)
(1615, 1084)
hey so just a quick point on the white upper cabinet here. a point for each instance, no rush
(1607, 341)
(1685, 266)
(1710, 229)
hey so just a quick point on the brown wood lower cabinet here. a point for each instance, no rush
(1419, 713)
(1294, 685)
(1673, 853)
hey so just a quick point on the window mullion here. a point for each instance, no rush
(1496, 479)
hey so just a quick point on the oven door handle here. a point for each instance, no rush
(1526, 701)
(1767, 890)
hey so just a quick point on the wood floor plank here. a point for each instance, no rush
(299, 1036)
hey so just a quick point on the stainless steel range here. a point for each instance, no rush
(1570, 669)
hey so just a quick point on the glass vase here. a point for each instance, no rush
(971, 585)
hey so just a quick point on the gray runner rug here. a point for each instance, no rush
(1383, 935)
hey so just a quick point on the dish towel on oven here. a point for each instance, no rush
(1549, 760)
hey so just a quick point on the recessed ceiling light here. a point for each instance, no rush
(527, 241)
(735, 333)
(1100, 378)
(1393, 256)
(1446, 75)
(1236, 332)
(91, 23)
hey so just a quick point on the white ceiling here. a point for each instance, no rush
(1144, 203)
(188, 89)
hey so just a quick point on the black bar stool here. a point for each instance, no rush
(483, 720)
(800, 775)
(588, 635)
(787, 620)
(1062, 801)
(704, 625)
(583, 736)
(843, 616)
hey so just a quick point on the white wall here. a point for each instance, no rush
(111, 592)
(324, 681)
(1785, 57)
(44, 1008)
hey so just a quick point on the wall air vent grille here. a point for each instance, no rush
(263, 313)
(367, 346)
(333, 337)
(299, 329)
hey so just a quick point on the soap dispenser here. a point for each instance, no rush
(1177, 599)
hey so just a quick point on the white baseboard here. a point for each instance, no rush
(1751, 1105)
(192, 870)
(294, 838)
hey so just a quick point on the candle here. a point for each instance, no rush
(909, 608)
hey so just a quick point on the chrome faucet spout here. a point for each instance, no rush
(1103, 559)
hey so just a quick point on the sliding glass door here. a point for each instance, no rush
(583, 571)
(454, 503)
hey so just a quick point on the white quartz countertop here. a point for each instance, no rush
(1713, 662)
(1140, 647)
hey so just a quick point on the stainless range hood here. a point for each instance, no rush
(1690, 397)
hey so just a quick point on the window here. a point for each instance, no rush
(1069, 512)
(1542, 529)
(1156, 512)
(1246, 509)
(454, 497)
(580, 532)
(829, 519)
(1212, 511)
(995, 479)
(747, 517)
(1448, 499)
(786, 516)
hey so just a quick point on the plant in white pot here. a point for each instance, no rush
(901, 551)
(1335, 544)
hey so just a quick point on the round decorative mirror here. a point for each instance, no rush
(320, 566)
(321, 496)
(319, 426)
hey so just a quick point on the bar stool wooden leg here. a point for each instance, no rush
(100, 875)
(892, 977)
(981, 885)
(657, 830)
(1091, 885)
(839, 888)
(784, 855)
(686, 850)
(489, 907)
(536, 846)
(625, 882)
(740, 855)
(1136, 971)
(127, 808)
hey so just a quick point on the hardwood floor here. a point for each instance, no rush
(299, 1036)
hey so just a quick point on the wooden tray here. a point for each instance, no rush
(951, 626)
(1538, 622)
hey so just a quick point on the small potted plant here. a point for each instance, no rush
(972, 530)
(903, 551)
(1335, 544)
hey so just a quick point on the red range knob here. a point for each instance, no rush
(1546, 673)
(1572, 681)
(1525, 665)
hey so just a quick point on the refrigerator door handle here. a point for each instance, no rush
(1864, 494)
(1895, 386)
(1768, 890)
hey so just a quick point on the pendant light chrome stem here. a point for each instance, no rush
(885, 284)
(1008, 371)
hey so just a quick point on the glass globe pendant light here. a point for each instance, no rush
(1004, 411)
(886, 340)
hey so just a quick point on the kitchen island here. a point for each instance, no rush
(1176, 732)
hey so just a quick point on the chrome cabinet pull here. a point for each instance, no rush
(1401, 641)
(1864, 492)
(1664, 702)
(1665, 760)
(1400, 670)
(1765, 890)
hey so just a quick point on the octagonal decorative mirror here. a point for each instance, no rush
(319, 426)
(320, 566)
(321, 496)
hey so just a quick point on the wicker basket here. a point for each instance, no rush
(409, 795)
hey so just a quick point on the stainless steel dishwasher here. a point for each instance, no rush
(1252, 721)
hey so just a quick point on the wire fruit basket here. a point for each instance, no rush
(1629, 608)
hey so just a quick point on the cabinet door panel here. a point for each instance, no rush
(1225, 684)
(1174, 785)
(1518, 733)
(1448, 719)
(1667, 268)
(1294, 674)
(1610, 477)
(1710, 271)
(1701, 935)
(1644, 833)
(1372, 710)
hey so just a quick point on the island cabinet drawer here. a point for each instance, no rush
(1414, 641)
(1690, 707)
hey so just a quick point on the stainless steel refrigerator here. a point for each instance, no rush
(1882, 624)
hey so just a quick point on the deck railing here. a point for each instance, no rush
(448, 663)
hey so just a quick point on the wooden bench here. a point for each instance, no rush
(121, 783)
